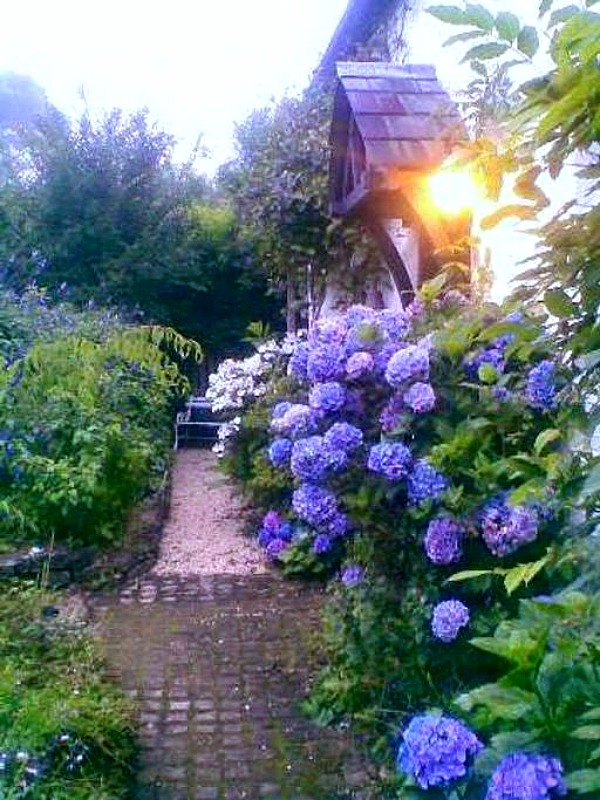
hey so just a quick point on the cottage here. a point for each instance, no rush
(393, 126)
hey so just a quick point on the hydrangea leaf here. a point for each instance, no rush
(584, 781)
(524, 573)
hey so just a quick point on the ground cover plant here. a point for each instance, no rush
(64, 731)
(86, 405)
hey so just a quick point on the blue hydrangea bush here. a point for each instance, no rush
(430, 469)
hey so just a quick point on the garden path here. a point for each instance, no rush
(216, 651)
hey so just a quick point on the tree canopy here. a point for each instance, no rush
(100, 212)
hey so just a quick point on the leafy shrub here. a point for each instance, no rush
(444, 439)
(64, 731)
(85, 420)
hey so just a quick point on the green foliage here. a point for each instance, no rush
(100, 212)
(52, 683)
(278, 186)
(86, 430)
(552, 119)
(548, 696)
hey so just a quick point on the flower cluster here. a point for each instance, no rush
(226, 432)
(541, 387)
(296, 421)
(449, 617)
(425, 483)
(352, 576)
(327, 397)
(315, 505)
(280, 451)
(313, 459)
(436, 750)
(443, 540)
(527, 776)
(507, 528)
(390, 459)
(238, 382)
(409, 363)
(420, 398)
(275, 535)
(343, 436)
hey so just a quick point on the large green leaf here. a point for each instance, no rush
(484, 52)
(528, 41)
(562, 15)
(508, 26)
(544, 438)
(478, 15)
(450, 14)
(584, 781)
(463, 37)
(559, 303)
(517, 210)
(592, 484)
(524, 573)
(503, 702)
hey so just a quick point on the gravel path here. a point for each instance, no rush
(204, 532)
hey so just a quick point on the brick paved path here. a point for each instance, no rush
(218, 665)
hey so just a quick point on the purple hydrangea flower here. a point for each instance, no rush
(507, 528)
(326, 363)
(383, 356)
(265, 537)
(449, 617)
(271, 521)
(327, 397)
(492, 356)
(410, 363)
(312, 460)
(425, 483)
(329, 330)
(359, 364)
(298, 363)
(280, 451)
(436, 750)
(420, 397)
(299, 420)
(527, 776)
(390, 459)
(443, 540)
(314, 505)
(415, 309)
(366, 336)
(352, 575)
(322, 544)
(540, 390)
(274, 527)
(286, 531)
(392, 413)
(395, 323)
(501, 393)
(343, 436)
(280, 409)
(357, 314)
(275, 548)
(338, 526)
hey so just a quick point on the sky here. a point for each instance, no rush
(201, 65)
(198, 65)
